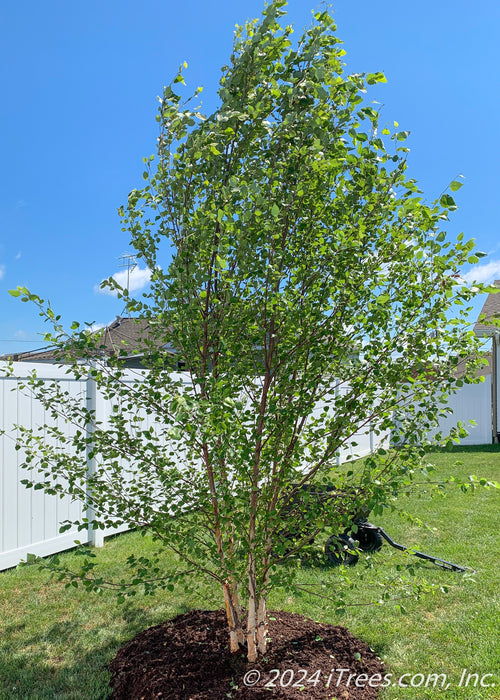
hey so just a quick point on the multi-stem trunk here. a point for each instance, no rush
(233, 613)
(256, 627)
(257, 611)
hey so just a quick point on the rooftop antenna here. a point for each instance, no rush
(127, 261)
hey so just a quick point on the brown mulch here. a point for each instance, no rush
(188, 658)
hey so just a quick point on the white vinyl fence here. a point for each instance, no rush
(30, 519)
(471, 402)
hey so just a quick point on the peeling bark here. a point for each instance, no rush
(252, 649)
(262, 626)
(237, 608)
(236, 635)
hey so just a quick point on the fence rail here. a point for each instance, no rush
(30, 519)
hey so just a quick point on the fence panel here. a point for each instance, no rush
(30, 520)
(145, 421)
(471, 402)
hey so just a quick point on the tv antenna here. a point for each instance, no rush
(127, 261)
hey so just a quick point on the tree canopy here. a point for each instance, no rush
(311, 292)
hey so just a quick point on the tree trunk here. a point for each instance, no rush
(236, 634)
(257, 619)
(262, 626)
(262, 605)
(237, 609)
(256, 628)
(252, 649)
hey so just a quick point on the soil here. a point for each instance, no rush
(188, 658)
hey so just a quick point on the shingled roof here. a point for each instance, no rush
(126, 337)
(40, 355)
(130, 335)
(491, 310)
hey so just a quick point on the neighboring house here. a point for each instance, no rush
(127, 337)
(488, 326)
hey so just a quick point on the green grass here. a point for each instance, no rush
(57, 642)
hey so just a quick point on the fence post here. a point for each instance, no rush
(94, 406)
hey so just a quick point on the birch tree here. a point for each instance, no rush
(310, 291)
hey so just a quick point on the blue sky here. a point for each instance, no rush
(79, 83)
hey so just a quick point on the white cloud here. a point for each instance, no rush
(2, 271)
(483, 273)
(136, 279)
(18, 256)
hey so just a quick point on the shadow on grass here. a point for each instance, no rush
(460, 449)
(34, 671)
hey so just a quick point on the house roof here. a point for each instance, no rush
(491, 310)
(40, 355)
(125, 336)
(130, 335)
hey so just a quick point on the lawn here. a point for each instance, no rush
(57, 642)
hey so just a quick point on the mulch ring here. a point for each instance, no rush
(188, 658)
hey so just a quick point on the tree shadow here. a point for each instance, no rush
(464, 449)
(33, 671)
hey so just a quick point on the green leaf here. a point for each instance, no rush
(275, 212)
(169, 94)
(455, 185)
(447, 201)
(373, 78)
(14, 292)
